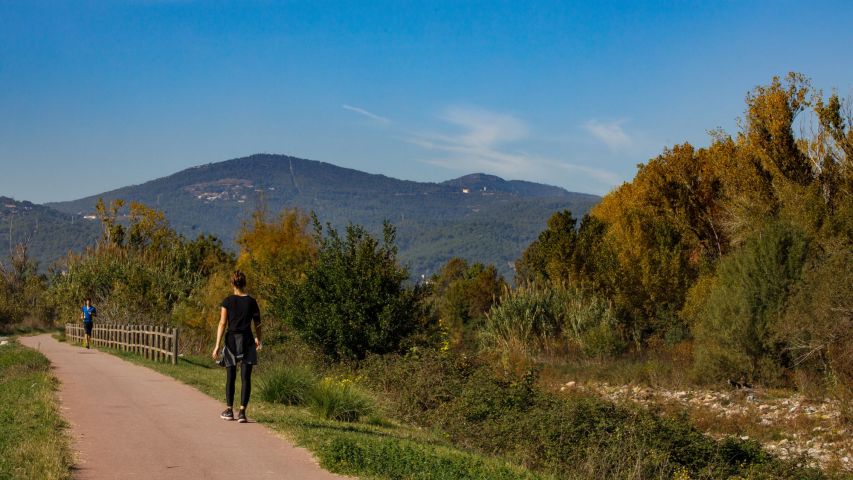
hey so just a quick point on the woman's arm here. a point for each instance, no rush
(256, 319)
(258, 336)
(223, 317)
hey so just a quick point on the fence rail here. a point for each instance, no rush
(152, 342)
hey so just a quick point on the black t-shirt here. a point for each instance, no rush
(242, 311)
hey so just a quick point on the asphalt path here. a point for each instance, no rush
(130, 422)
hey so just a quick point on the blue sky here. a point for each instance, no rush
(99, 95)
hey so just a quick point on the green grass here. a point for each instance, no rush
(287, 384)
(339, 400)
(33, 439)
(373, 449)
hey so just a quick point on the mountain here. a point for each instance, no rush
(478, 217)
(491, 183)
(48, 233)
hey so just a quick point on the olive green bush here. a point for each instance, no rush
(737, 322)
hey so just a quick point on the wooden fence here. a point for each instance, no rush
(153, 343)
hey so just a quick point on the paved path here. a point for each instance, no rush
(130, 422)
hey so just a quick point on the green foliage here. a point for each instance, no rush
(531, 319)
(400, 459)
(22, 301)
(736, 324)
(155, 276)
(287, 384)
(549, 257)
(339, 400)
(462, 294)
(817, 325)
(354, 301)
(568, 436)
(34, 443)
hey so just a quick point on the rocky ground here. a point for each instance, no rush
(788, 425)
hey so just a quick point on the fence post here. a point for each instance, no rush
(175, 346)
(157, 342)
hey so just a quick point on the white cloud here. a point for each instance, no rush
(475, 145)
(604, 176)
(479, 140)
(370, 115)
(611, 134)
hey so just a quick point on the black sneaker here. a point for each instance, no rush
(228, 414)
(241, 417)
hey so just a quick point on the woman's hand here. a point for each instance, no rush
(215, 353)
(257, 343)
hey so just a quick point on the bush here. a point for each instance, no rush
(286, 384)
(339, 400)
(818, 321)
(736, 324)
(354, 301)
(567, 436)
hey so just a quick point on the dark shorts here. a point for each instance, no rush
(87, 326)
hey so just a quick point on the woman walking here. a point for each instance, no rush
(236, 316)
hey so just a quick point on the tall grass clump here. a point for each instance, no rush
(521, 325)
(340, 400)
(287, 384)
(532, 319)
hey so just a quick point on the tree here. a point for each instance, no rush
(736, 323)
(354, 299)
(463, 294)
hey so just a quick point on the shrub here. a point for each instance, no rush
(354, 300)
(339, 400)
(818, 321)
(573, 436)
(287, 384)
(736, 324)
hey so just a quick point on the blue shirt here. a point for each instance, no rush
(88, 313)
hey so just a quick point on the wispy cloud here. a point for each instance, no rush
(610, 133)
(604, 176)
(370, 115)
(484, 142)
(477, 144)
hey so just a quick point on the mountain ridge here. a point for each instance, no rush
(479, 217)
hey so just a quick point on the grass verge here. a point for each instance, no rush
(377, 449)
(33, 443)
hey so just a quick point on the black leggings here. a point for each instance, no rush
(245, 379)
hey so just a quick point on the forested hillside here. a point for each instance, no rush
(48, 234)
(478, 217)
